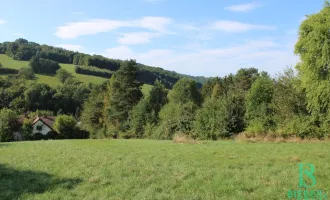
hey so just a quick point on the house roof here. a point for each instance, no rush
(47, 120)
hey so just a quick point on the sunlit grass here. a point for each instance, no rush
(147, 169)
(8, 62)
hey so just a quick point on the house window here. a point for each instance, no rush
(39, 127)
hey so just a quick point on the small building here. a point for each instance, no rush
(42, 128)
(43, 125)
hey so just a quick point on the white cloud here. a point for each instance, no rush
(136, 38)
(71, 47)
(238, 27)
(94, 26)
(263, 54)
(2, 21)
(243, 7)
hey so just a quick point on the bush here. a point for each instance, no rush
(94, 71)
(65, 126)
(62, 75)
(27, 129)
(212, 121)
(175, 118)
(44, 66)
(8, 124)
(8, 71)
(26, 73)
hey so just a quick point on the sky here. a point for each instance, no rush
(195, 37)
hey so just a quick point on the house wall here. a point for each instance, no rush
(45, 128)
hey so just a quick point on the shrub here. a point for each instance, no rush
(94, 71)
(65, 126)
(27, 129)
(8, 124)
(26, 73)
(62, 75)
(175, 118)
(8, 71)
(44, 66)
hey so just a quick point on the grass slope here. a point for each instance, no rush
(51, 80)
(147, 169)
(8, 62)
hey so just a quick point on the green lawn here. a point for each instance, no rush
(8, 62)
(148, 169)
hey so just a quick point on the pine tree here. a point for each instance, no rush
(124, 93)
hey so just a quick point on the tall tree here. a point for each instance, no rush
(313, 48)
(258, 105)
(8, 124)
(125, 93)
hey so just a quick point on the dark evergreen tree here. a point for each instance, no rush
(125, 94)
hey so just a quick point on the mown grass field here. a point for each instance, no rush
(148, 169)
(8, 62)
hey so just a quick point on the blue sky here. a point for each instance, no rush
(196, 37)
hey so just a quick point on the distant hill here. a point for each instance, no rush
(94, 65)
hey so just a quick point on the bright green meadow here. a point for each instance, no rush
(149, 169)
(8, 62)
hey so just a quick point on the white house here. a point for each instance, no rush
(42, 126)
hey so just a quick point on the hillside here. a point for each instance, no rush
(8, 62)
(96, 65)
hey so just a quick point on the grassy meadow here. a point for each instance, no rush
(51, 80)
(8, 62)
(148, 169)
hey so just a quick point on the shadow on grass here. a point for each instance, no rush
(15, 183)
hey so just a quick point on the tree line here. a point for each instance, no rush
(294, 103)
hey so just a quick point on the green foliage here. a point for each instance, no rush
(1, 66)
(139, 116)
(289, 99)
(24, 50)
(258, 104)
(97, 61)
(8, 124)
(63, 75)
(27, 129)
(313, 48)
(221, 117)
(43, 66)
(211, 120)
(39, 96)
(65, 126)
(92, 114)
(93, 71)
(26, 73)
(176, 118)
(183, 91)
(8, 71)
(32, 115)
(125, 93)
(70, 95)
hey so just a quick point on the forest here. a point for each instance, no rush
(294, 103)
